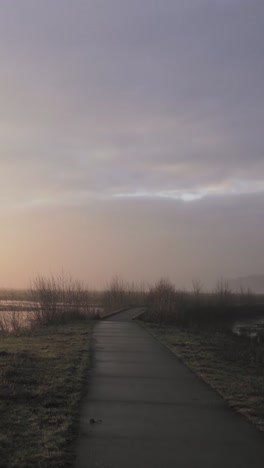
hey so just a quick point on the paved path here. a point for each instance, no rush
(126, 316)
(155, 412)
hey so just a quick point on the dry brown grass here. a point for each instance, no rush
(232, 365)
(43, 375)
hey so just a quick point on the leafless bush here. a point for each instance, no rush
(162, 301)
(58, 299)
(4, 325)
(11, 321)
(121, 294)
(166, 304)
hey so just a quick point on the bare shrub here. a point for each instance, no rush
(4, 324)
(11, 319)
(223, 295)
(166, 304)
(120, 294)
(246, 296)
(58, 299)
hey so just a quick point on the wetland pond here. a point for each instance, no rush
(20, 314)
(251, 328)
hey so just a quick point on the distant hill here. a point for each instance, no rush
(255, 283)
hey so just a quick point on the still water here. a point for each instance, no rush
(251, 328)
(17, 314)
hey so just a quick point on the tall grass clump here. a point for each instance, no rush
(60, 299)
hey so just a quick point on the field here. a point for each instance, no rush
(199, 328)
(45, 355)
(42, 378)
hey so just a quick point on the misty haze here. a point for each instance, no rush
(132, 229)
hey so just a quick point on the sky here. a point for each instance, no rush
(131, 140)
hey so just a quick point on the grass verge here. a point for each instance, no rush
(42, 380)
(223, 361)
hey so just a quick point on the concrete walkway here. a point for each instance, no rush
(155, 412)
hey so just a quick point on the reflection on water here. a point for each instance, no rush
(251, 328)
(11, 305)
(20, 314)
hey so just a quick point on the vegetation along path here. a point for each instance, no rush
(145, 408)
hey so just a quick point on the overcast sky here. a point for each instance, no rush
(131, 139)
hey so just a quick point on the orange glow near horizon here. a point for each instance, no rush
(123, 153)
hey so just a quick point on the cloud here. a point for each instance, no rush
(119, 103)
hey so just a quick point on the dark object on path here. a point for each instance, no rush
(95, 421)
